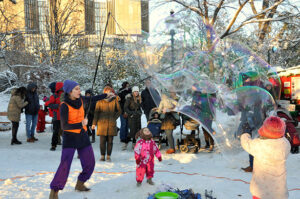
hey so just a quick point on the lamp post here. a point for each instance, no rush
(273, 50)
(171, 21)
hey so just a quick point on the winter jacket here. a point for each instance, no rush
(54, 101)
(289, 122)
(269, 169)
(33, 105)
(169, 119)
(16, 103)
(147, 100)
(145, 150)
(133, 109)
(105, 116)
(80, 138)
(122, 94)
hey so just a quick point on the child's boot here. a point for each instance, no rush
(138, 184)
(149, 181)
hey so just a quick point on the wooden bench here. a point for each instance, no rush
(3, 113)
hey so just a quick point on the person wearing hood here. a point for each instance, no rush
(16, 104)
(123, 92)
(75, 137)
(270, 151)
(54, 104)
(147, 98)
(144, 152)
(106, 113)
(31, 111)
(51, 86)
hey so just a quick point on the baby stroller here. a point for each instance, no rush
(154, 125)
(191, 142)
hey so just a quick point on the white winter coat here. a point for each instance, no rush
(269, 169)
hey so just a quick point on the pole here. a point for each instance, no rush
(96, 70)
(172, 33)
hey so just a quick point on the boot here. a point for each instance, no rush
(170, 151)
(149, 181)
(248, 169)
(211, 148)
(108, 158)
(53, 148)
(35, 139)
(138, 184)
(124, 147)
(80, 186)
(53, 194)
(15, 141)
(30, 140)
(102, 158)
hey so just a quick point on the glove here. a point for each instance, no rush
(138, 161)
(159, 159)
(125, 115)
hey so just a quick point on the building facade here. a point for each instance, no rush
(86, 18)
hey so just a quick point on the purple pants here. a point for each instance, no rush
(87, 160)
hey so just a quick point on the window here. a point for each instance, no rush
(31, 16)
(103, 16)
(89, 16)
(97, 18)
(43, 14)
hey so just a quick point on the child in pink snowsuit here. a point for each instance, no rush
(144, 152)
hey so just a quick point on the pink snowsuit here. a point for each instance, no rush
(144, 152)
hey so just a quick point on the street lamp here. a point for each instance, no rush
(171, 22)
(273, 50)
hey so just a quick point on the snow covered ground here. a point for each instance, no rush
(27, 170)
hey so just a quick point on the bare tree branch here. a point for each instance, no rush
(233, 20)
(216, 12)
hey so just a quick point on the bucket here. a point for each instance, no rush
(166, 195)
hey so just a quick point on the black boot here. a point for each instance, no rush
(14, 130)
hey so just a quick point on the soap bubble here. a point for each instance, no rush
(222, 85)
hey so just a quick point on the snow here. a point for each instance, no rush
(26, 171)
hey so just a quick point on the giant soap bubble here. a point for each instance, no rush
(222, 85)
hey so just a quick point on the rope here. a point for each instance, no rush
(159, 171)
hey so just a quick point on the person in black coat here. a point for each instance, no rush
(147, 98)
(90, 114)
(123, 92)
(31, 111)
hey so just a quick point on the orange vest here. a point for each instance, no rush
(76, 116)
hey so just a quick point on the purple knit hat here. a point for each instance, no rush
(69, 85)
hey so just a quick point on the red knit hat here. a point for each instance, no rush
(273, 128)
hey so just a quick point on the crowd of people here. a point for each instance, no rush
(79, 118)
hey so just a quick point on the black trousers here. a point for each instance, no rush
(208, 138)
(14, 130)
(106, 143)
(56, 129)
